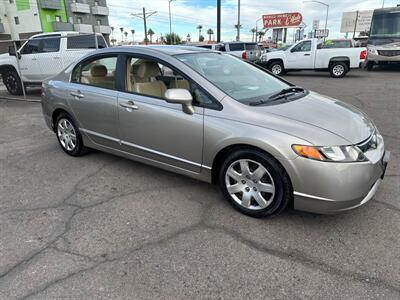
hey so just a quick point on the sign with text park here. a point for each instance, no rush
(284, 20)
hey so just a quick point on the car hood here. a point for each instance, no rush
(330, 115)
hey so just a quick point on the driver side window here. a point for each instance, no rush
(302, 47)
(31, 47)
(153, 78)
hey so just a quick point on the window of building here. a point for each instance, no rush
(96, 3)
(98, 22)
(98, 72)
(79, 20)
(16, 19)
(58, 18)
(11, 1)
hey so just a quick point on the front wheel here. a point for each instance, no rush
(370, 65)
(277, 68)
(338, 69)
(13, 83)
(255, 183)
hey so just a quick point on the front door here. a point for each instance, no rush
(93, 99)
(29, 61)
(152, 128)
(300, 56)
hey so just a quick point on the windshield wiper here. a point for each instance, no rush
(281, 94)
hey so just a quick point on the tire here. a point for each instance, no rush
(68, 136)
(12, 81)
(370, 65)
(276, 67)
(338, 69)
(273, 187)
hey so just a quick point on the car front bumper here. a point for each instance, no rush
(322, 187)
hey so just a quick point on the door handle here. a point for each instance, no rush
(307, 54)
(56, 57)
(77, 95)
(34, 59)
(129, 105)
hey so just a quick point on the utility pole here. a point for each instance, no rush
(238, 23)
(218, 21)
(170, 22)
(144, 16)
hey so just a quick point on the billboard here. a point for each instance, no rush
(284, 20)
(363, 18)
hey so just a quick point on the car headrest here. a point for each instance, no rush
(148, 69)
(98, 71)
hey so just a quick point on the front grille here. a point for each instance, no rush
(389, 52)
(369, 143)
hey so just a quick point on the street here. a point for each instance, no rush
(100, 226)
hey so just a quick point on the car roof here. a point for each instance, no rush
(167, 49)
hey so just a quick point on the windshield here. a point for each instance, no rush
(386, 25)
(238, 79)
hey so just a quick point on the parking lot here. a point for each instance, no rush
(100, 226)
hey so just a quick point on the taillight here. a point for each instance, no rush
(363, 54)
(244, 55)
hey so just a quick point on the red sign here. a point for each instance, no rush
(282, 20)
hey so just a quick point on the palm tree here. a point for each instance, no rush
(199, 27)
(237, 27)
(260, 35)
(126, 35)
(253, 31)
(150, 32)
(210, 32)
(133, 35)
(122, 33)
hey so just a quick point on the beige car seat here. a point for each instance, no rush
(147, 82)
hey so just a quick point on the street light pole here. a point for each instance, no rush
(327, 10)
(170, 22)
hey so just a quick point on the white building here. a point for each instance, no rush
(19, 19)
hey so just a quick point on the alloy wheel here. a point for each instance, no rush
(66, 134)
(11, 83)
(338, 70)
(250, 184)
(276, 69)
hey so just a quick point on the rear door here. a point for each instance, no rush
(300, 56)
(49, 58)
(92, 95)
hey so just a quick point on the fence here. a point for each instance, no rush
(31, 61)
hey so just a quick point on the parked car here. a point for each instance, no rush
(210, 116)
(44, 55)
(310, 54)
(245, 50)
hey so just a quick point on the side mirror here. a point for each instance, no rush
(11, 51)
(180, 96)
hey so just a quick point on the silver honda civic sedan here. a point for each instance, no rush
(267, 143)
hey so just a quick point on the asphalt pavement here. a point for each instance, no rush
(103, 227)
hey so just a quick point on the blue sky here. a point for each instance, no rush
(187, 14)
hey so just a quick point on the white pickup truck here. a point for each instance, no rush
(310, 54)
(44, 55)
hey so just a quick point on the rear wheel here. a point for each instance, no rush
(255, 183)
(68, 136)
(338, 69)
(277, 68)
(12, 81)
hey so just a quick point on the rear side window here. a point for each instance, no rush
(85, 42)
(50, 44)
(98, 72)
(236, 47)
(250, 46)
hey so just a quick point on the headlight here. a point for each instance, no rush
(330, 153)
(372, 50)
(263, 58)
